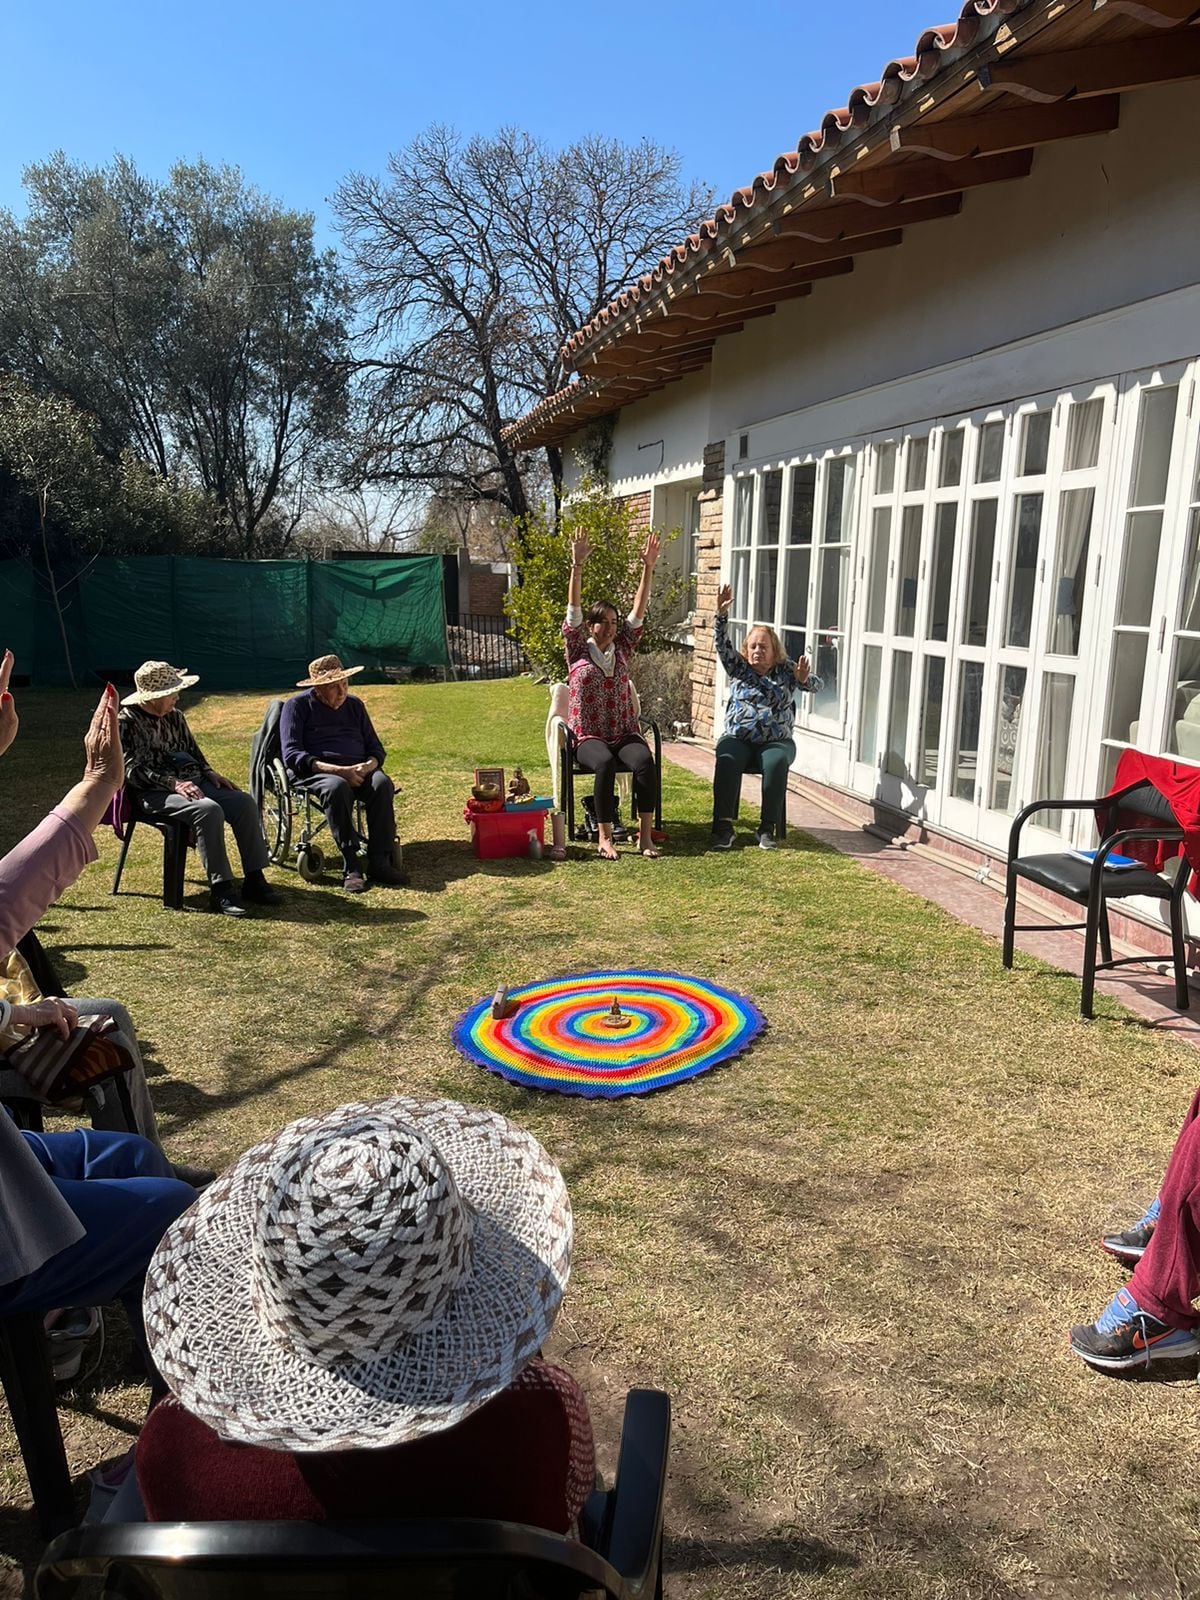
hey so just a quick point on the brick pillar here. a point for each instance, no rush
(708, 581)
(639, 505)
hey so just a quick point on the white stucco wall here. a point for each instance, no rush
(677, 416)
(1100, 223)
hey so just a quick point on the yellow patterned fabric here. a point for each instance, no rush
(19, 989)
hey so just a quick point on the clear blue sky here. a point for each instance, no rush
(298, 93)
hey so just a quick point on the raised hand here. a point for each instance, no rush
(581, 549)
(9, 721)
(724, 599)
(650, 551)
(803, 668)
(105, 765)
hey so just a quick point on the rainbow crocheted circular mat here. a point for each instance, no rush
(603, 1034)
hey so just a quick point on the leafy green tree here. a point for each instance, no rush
(194, 320)
(538, 605)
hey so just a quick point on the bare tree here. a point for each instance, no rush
(475, 261)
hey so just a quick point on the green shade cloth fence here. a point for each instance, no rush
(239, 624)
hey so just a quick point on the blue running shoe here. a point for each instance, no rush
(1126, 1336)
(1130, 1246)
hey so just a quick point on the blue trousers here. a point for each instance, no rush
(121, 1188)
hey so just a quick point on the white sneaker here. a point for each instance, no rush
(767, 839)
(69, 1338)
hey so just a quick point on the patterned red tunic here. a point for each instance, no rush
(600, 707)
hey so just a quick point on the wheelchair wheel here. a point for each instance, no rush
(275, 810)
(310, 862)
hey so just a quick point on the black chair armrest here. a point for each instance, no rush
(1114, 841)
(1022, 816)
(635, 1509)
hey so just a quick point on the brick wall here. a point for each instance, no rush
(485, 591)
(708, 579)
(639, 504)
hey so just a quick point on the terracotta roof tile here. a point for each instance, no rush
(929, 57)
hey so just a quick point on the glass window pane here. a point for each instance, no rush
(945, 518)
(991, 452)
(881, 527)
(908, 570)
(804, 493)
(979, 572)
(1035, 442)
(795, 613)
(1022, 575)
(743, 504)
(772, 494)
(930, 732)
(1070, 571)
(868, 706)
(1054, 738)
(1006, 742)
(833, 583)
(967, 716)
(895, 762)
(885, 467)
(916, 464)
(950, 461)
(839, 498)
(1183, 731)
(740, 580)
(795, 643)
(1084, 421)
(827, 662)
(1135, 601)
(1152, 459)
(1125, 687)
(765, 575)
(1189, 609)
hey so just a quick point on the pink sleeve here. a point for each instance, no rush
(35, 872)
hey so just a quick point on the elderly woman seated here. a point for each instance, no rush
(759, 719)
(350, 1322)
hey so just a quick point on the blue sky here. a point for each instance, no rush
(297, 94)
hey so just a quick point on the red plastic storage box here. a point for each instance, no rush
(506, 833)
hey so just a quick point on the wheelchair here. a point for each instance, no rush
(288, 812)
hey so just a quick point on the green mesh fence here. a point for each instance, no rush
(239, 624)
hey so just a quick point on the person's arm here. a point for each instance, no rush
(292, 722)
(641, 599)
(8, 709)
(735, 664)
(580, 551)
(35, 872)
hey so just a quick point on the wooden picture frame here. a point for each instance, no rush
(491, 775)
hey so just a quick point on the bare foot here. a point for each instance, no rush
(607, 850)
(647, 848)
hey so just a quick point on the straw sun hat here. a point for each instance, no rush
(327, 669)
(155, 680)
(362, 1278)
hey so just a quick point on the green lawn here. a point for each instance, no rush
(851, 1256)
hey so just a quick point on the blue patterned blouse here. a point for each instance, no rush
(760, 707)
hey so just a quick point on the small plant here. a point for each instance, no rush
(538, 604)
(664, 685)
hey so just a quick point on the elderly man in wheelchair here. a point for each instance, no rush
(332, 752)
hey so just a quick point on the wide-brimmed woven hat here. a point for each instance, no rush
(362, 1278)
(155, 680)
(327, 669)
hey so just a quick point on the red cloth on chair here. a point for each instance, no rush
(1179, 784)
(527, 1456)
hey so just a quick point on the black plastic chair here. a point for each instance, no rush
(127, 814)
(28, 1384)
(619, 1553)
(1092, 884)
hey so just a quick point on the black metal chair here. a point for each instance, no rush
(1092, 884)
(125, 814)
(560, 746)
(618, 1554)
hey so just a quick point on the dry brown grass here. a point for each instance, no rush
(851, 1257)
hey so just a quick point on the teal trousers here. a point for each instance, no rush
(736, 757)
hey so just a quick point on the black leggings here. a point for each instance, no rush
(630, 754)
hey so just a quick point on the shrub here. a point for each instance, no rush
(538, 603)
(664, 684)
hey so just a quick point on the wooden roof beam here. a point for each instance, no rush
(1098, 68)
(823, 224)
(891, 182)
(719, 321)
(783, 255)
(746, 283)
(1158, 13)
(997, 132)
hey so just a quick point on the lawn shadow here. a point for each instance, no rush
(433, 864)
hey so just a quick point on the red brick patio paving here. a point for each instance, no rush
(1146, 992)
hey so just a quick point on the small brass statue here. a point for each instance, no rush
(615, 1017)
